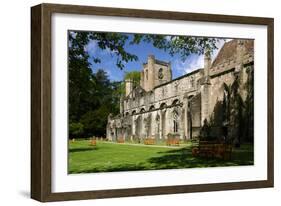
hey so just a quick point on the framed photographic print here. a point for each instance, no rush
(132, 102)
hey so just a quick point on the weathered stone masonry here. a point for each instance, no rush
(161, 105)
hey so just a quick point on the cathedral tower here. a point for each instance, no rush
(154, 73)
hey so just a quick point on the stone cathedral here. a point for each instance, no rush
(160, 105)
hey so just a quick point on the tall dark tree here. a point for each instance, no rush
(236, 113)
(80, 76)
(81, 80)
(249, 106)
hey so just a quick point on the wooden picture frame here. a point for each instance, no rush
(41, 96)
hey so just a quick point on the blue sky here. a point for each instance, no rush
(142, 50)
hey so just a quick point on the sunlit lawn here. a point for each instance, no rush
(106, 157)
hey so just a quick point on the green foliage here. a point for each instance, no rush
(95, 121)
(119, 87)
(182, 45)
(76, 129)
(135, 76)
(114, 42)
(249, 107)
(104, 101)
(93, 104)
(81, 82)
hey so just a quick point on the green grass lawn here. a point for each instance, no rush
(106, 157)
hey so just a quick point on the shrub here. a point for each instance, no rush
(76, 129)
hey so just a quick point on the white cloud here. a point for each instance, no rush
(192, 63)
(91, 47)
(109, 51)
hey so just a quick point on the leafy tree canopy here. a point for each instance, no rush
(133, 75)
(115, 42)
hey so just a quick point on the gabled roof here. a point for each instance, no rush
(229, 51)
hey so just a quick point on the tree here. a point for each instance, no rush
(236, 114)
(183, 45)
(120, 86)
(118, 90)
(80, 77)
(135, 76)
(95, 121)
(115, 42)
(249, 106)
(76, 130)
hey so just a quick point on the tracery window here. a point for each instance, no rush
(192, 82)
(175, 121)
(146, 74)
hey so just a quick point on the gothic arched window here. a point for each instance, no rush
(175, 102)
(163, 105)
(142, 110)
(146, 74)
(175, 121)
(191, 82)
(151, 108)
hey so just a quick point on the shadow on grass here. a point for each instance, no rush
(174, 159)
(72, 150)
(183, 158)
